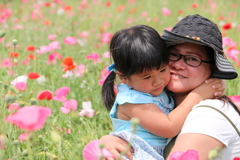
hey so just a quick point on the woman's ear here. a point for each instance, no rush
(122, 77)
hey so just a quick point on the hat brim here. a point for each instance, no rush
(224, 69)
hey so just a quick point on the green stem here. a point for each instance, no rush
(30, 154)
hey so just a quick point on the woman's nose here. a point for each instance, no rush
(180, 64)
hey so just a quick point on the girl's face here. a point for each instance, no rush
(185, 78)
(152, 82)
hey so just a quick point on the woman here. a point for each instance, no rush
(198, 39)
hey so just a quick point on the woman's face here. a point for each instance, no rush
(185, 78)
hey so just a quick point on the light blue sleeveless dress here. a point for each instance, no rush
(146, 145)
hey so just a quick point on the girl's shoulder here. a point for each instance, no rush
(127, 95)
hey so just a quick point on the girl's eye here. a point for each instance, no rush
(147, 77)
(164, 69)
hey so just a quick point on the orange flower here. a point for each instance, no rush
(120, 8)
(67, 8)
(31, 56)
(134, 10)
(47, 22)
(13, 54)
(33, 75)
(68, 64)
(180, 12)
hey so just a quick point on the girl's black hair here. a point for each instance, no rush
(134, 50)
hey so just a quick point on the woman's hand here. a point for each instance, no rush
(115, 145)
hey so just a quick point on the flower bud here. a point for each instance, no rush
(33, 101)
(10, 97)
(2, 33)
(15, 142)
(21, 103)
(14, 42)
(25, 153)
(55, 137)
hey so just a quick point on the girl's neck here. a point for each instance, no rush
(179, 97)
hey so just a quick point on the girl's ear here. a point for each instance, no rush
(121, 76)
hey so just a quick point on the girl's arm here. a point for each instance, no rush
(157, 122)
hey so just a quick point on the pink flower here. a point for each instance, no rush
(233, 54)
(106, 37)
(80, 70)
(61, 94)
(70, 40)
(104, 74)
(23, 137)
(7, 63)
(166, 11)
(52, 37)
(70, 105)
(30, 118)
(236, 100)
(42, 50)
(83, 34)
(53, 56)
(92, 151)
(22, 78)
(54, 45)
(87, 109)
(144, 14)
(13, 106)
(21, 86)
(188, 155)
(106, 54)
(93, 56)
(46, 94)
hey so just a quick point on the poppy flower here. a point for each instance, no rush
(31, 56)
(188, 155)
(227, 26)
(236, 100)
(166, 11)
(21, 86)
(108, 4)
(13, 54)
(30, 118)
(70, 105)
(236, 158)
(30, 48)
(61, 94)
(70, 40)
(87, 109)
(45, 95)
(194, 5)
(68, 64)
(92, 151)
(33, 75)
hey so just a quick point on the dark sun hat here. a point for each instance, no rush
(199, 30)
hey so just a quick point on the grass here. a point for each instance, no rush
(30, 23)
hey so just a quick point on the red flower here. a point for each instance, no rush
(68, 64)
(33, 75)
(236, 158)
(227, 26)
(31, 56)
(47, 4)
(13, 54)
(45, 95)
(108, 4)
(30, 48)
(194, 5)
(180, 12)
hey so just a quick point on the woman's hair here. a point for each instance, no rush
(134, 50)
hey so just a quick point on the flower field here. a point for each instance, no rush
(53, 62)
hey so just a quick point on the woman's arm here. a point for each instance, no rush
(199, 142)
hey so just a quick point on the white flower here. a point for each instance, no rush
(22, 78)
(41, 80)
(87, 109)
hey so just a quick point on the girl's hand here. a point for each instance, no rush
(211, 88)
(218, 86)
(115, 145)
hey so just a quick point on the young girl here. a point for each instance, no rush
(141, 63)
